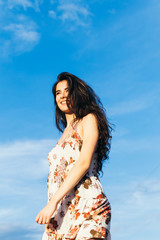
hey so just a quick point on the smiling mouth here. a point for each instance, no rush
(63, 102)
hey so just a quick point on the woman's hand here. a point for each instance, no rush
(45, 214)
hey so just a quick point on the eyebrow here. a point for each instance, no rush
(60, 90)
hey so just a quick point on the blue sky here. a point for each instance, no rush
(112, 45)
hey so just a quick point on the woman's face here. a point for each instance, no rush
(61, 96)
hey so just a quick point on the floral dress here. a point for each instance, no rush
(85, 211)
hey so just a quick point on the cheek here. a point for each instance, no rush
(57, 103)
(57, 99)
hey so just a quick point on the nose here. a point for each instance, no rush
(64, 94)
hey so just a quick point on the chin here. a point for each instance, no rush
(65, 110)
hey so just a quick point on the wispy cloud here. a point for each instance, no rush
(128, 33)
(127, 107)
(136, 208)
(25, 4)
(137, 103)
(20, 231)
(23, 31)
(27, 160)
(22, 158)
(129, 145)
(23, 178)
(19, 33)
(73, 14)
(7, 212)
(22, 36)
(10, 214)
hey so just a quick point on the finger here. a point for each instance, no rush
(44, 220)
(37, 218)
(47, 220)
(40, 220)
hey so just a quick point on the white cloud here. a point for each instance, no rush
(21, 230)
(24, 148)
(22, 35)
(136, 208)
(127, 107)
(23, 32)
(128, 145)
(37, 5)
(23, 178)
(136, 104)
(128, 32)
(8, 213)
(26, 159)
(25, 4)
(74, 12)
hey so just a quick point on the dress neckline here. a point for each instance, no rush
(69, 133)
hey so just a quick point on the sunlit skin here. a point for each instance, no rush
(61, 95)
(90, 138)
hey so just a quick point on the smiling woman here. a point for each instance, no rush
(77, 206)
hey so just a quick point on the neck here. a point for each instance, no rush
(69, 118)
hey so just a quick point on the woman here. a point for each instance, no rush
(77, 206)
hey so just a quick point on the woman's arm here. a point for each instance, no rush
(90, 139)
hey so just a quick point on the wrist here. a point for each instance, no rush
(55, 199)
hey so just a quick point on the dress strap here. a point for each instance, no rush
(75, 125)
(74, 128)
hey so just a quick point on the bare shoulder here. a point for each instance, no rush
(88, 125)
(89, 119)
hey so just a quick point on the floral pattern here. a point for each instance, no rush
(85, 211)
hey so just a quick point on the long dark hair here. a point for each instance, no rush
(84, 101)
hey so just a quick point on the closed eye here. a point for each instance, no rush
(67, 90)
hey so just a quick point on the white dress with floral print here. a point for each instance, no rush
(85, 211)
